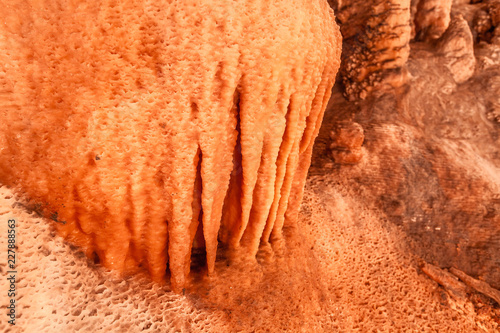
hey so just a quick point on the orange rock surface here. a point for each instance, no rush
(145, 127)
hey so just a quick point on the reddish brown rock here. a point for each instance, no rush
(347, 135)
(432, 156)
(347, 139)
(376, 45)
(482, 24)
(347, 157)
(432, 18)
(456, 46)
(486, 21)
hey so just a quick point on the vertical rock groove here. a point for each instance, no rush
(156, 129)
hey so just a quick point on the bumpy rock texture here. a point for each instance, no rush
(432, 18)
(377, 35)
(432, 153)
(486, 21)
(347, 139)
(407, 239)
(346, 270)
(457, 48)
(143, 127)
(376, 45)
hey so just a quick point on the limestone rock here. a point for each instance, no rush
(376, 45)
(432, 18)
(347, 157)
(347, 135)
(347, 140)
(483, 24)
(492, 85)
(486, 21)
(494, 113)
(456, 46)
(151, 127)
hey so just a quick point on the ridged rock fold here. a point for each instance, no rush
(144, 127)
(377, 37)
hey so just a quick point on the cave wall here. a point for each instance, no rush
(376, 45)
(421, 78)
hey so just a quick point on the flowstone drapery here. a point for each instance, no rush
(145, 127)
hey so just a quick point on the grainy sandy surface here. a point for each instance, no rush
(345, 270)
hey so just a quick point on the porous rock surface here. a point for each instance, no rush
(346, 269)
(431, 158)
(377, 37)
(427, 189)
(486, 20)
(347, 139)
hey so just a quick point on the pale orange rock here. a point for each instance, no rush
(432, 18)
(457, 48)
(147, 125)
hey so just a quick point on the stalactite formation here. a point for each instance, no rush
(144, 127)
